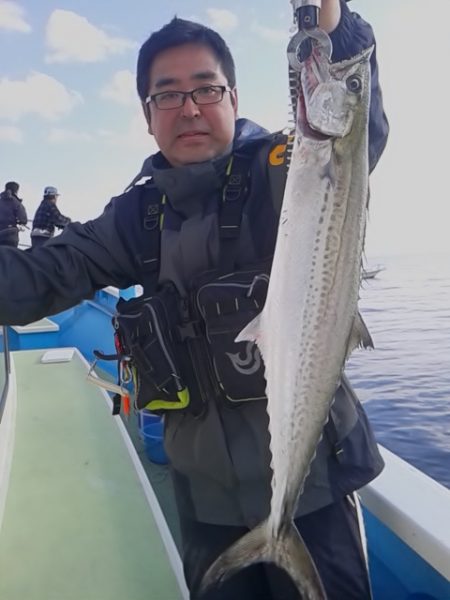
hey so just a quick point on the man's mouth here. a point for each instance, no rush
(191, 134)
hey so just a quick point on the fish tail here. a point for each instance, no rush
(292, 555)
(287, 550)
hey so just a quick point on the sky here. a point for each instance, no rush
(70, 115)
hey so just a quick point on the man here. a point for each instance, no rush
(12, 214)
(219, 452)
(47, 217)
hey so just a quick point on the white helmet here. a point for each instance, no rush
(50, 191)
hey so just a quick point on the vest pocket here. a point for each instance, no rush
(226, 305)
(144, 329)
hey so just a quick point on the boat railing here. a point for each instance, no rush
(4, 369)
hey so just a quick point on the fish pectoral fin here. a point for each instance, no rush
(359, 336)
(288, 551)
(251, 331)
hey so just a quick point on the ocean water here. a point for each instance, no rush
(404, 383)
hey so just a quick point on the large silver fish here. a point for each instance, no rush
(310, 322)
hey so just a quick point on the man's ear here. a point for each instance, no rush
(234, 100)
(147, 115)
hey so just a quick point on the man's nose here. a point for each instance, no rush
(190, 109)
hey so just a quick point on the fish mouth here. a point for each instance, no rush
(302, 122)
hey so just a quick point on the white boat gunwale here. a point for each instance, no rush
(414, 506)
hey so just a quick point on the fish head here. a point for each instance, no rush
(332, 94)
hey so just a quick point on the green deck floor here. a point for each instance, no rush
(77, 524)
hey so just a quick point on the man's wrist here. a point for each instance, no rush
(330, 15)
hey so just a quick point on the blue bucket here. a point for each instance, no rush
(145, 417)
(153, 436)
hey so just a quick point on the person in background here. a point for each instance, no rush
(12, 214)
(47, 217)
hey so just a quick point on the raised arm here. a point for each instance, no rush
(59, 220)
(352, 35)
(330, 14)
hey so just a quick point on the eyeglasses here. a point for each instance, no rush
(209, 94)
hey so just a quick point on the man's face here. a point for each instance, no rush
(191, 133)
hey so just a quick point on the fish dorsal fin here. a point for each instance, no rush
(359, 336)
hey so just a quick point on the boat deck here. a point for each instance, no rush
(77, 522)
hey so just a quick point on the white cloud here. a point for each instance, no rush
(193, 17)
(10, 134)
(12, 17)
(60, 135)
(72, 38)
(135, 135)
(38, 94)
(222, 19)
(270, 34)
(121, 89)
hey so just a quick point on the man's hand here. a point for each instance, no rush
(330, 15)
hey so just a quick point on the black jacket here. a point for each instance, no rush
(220, 463)
(12, 211)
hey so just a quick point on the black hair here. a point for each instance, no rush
(12, 186)
(176, 33)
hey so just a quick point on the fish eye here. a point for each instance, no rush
(354, 84)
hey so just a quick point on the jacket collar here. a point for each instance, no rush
(246, 131)
(189, 187)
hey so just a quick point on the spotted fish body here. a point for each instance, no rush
(310, 321)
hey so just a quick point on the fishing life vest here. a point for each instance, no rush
(178, 351)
